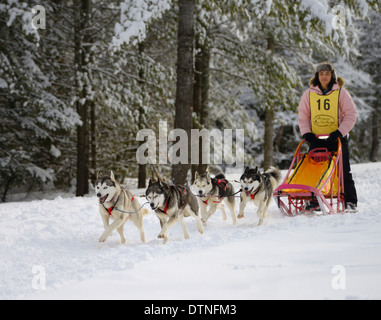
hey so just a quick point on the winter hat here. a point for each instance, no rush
(324, 66)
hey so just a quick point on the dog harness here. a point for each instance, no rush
(206, 201)
(324, 112)
(221, 183)
(112, 208)
(252, 195)
(165, 206)
(166, 203)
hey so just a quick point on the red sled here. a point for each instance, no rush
(315, 177)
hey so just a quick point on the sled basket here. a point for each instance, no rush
(314, 177)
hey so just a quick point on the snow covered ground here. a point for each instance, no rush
(49, 249)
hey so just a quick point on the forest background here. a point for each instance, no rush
(80, 79)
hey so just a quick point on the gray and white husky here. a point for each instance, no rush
(171, 204)
(119, 204)
(258, 187)
(213, 192)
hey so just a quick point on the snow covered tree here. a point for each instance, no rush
(370, 62)
(30, 108)
(84, 92)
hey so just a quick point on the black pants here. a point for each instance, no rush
(349, 185)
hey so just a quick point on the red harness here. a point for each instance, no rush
(166, 203)
(206, 201)
(252, 195)
(112, 208)
(166, 206)
(219, 183)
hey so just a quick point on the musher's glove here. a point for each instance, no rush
(333, 136)
(331, 141)
(310, 137)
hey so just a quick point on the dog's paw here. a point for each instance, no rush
(240, 216)
(161, 236)
(102, 239)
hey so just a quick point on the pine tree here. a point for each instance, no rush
(370, 62)
(31, 110)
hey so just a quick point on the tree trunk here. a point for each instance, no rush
(142, 170)
(268, 147)
(184, 87)
(375, 143)
(82, 16)
(93, 144)
(268, 143)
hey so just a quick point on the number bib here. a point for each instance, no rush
(324, 112)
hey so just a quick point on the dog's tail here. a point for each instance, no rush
(138, 207)
(275, 176)
(215, 171)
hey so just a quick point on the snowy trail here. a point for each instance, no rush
(286, 258)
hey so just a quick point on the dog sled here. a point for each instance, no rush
(313, 177)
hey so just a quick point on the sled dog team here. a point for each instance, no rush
(173, 203)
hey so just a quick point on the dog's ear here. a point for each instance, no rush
(150, 182)
(112, 177)
(196, 175)
(99, 174)
(247, 170)
(256, 169)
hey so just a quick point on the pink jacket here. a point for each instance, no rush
(347, 109)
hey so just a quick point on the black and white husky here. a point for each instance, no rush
(119, 204)
(213, 192)
(258, 187)
(171, 204)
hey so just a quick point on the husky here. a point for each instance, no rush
(171, 204)
(119, 204)
(258, 188)
(214, 192)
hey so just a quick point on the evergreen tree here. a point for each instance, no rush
(30, 107)
(370, 62)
